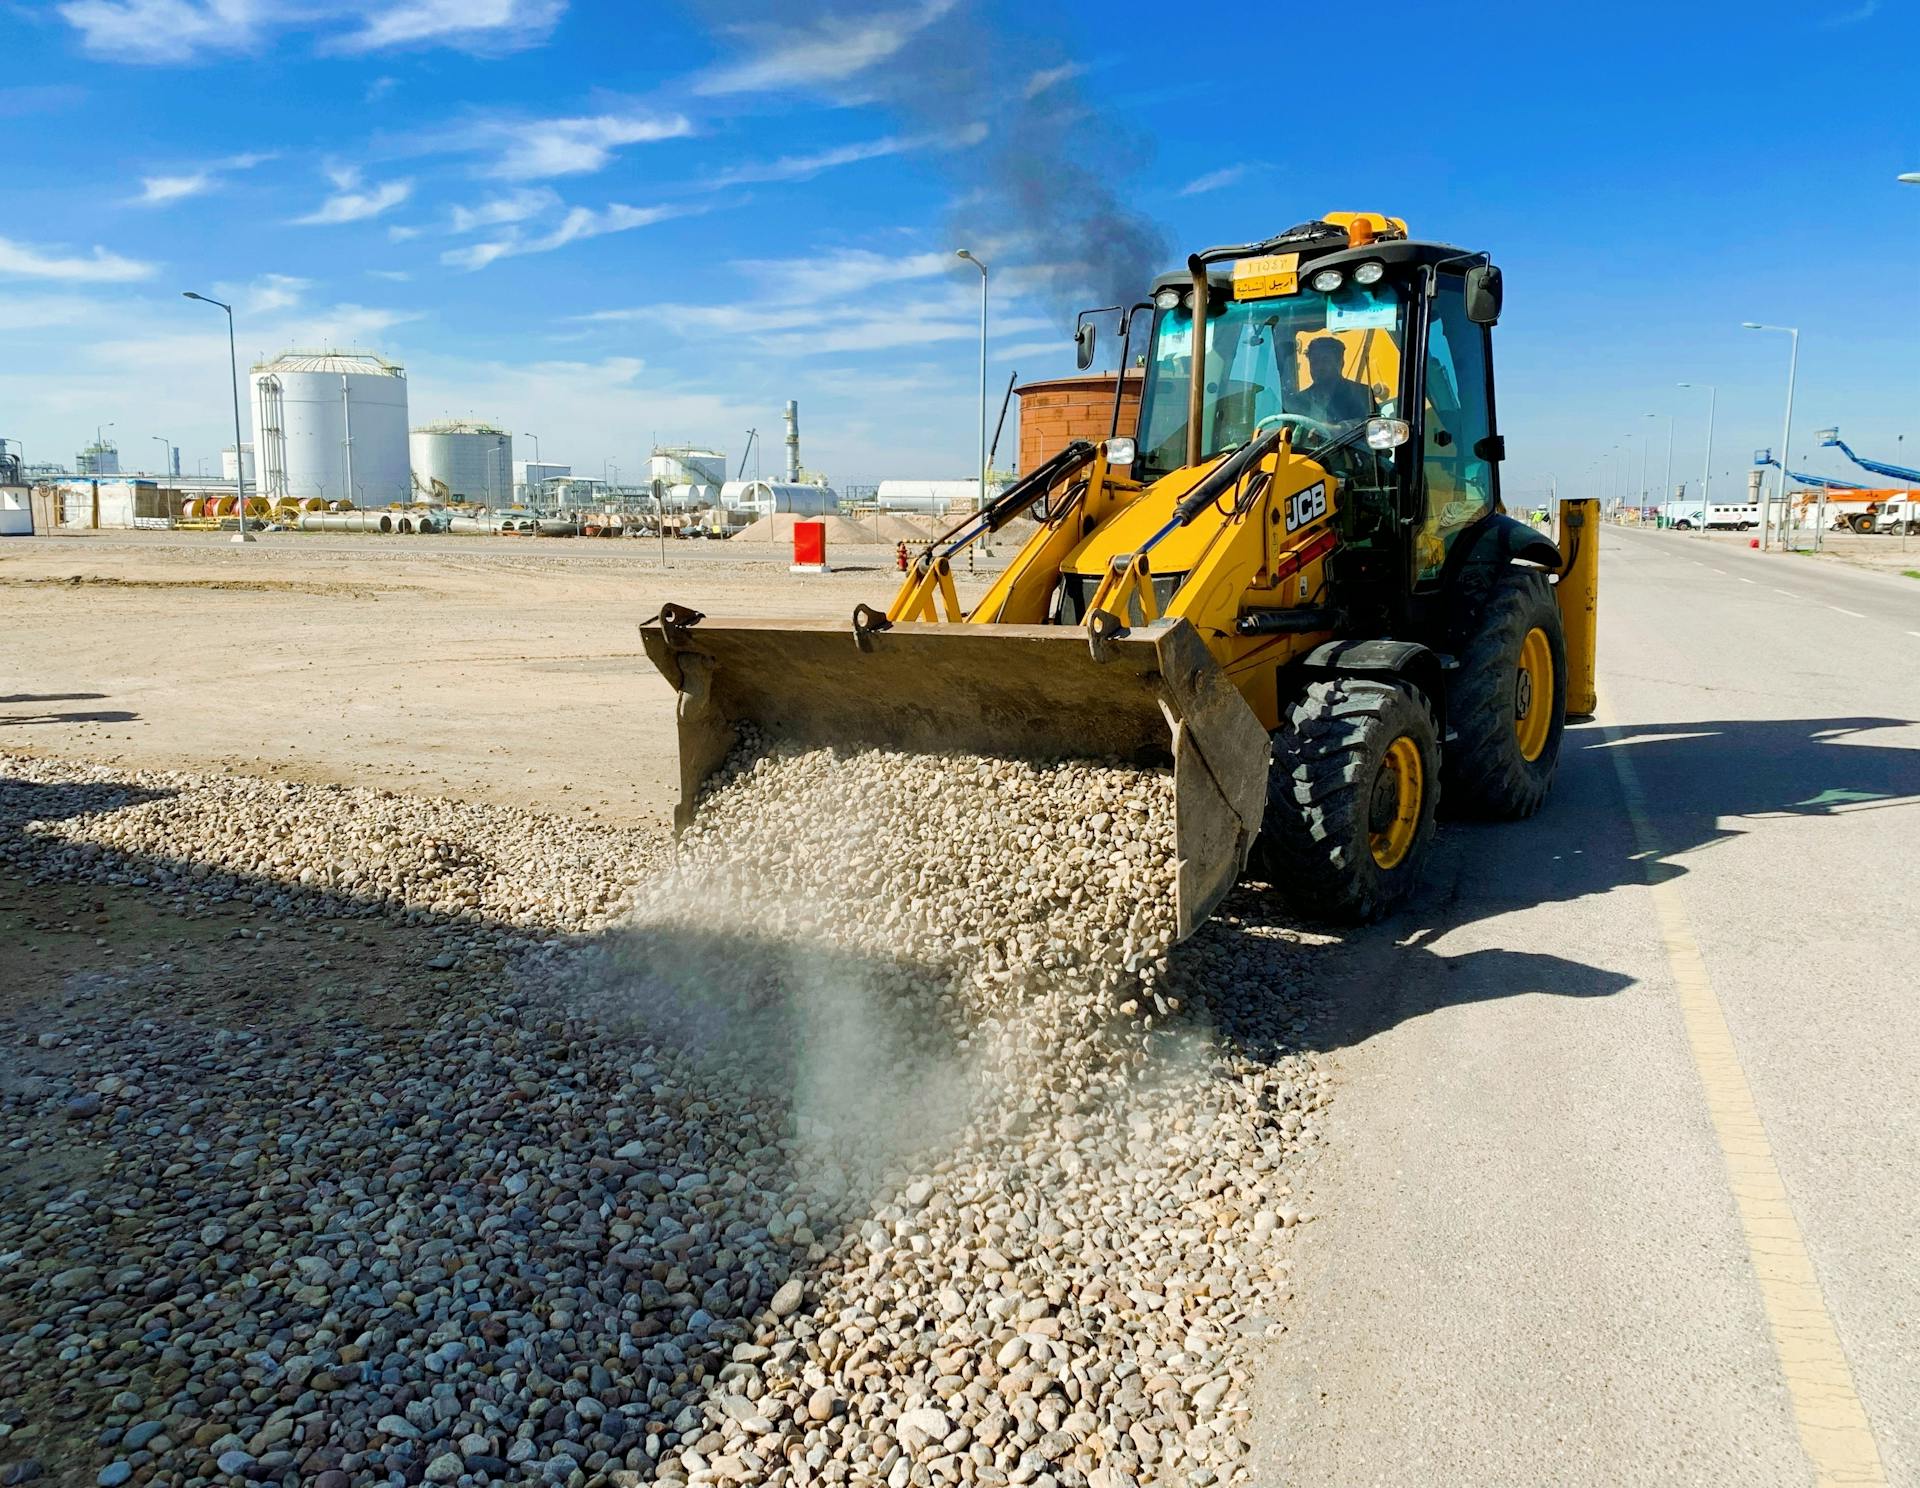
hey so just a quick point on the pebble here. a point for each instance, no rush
(879, 1130)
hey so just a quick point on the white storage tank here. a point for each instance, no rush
(332, 425)
(687, 465)
(473, 461)
(228, 464)
(766, 497)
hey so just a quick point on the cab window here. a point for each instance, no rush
(1459, 483)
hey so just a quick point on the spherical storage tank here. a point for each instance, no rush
(473, 461)
(333, 425)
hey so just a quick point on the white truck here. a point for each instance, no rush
(1898, 517)
(1719, 518)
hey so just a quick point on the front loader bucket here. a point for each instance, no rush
(1155, 697)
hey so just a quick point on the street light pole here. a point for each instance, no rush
(1786, 427)
(968, 256)
(239, 451)
(1646, 466)
(1666, 491)
(1706, 473)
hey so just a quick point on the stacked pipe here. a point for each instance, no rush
(346, 522)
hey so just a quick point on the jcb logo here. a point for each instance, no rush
(1306, 506)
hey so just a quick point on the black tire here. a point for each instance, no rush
(1486, 770)
(1330, 779)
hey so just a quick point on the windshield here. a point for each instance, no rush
(1326, 360)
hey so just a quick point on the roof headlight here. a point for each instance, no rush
(1328, 280)
(1119, 450)
(1166, 299)
(1370, 272)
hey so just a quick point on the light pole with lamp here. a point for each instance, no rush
(1786, 427)
(1706, 472)
(239, 451)
(536, 454)
(968, 256)
(166, 455)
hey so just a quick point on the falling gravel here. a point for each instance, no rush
(873, 1134)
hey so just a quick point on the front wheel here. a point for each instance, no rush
(1508, 703)
(1350, 800)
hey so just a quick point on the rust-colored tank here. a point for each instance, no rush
(1060, 410)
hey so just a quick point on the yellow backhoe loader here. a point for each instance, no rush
(1295, 582)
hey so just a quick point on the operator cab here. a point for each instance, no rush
(1365, 346)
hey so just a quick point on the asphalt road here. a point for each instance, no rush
(1625, 1173)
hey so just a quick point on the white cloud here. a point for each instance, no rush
(402, 234)
(837, 275)
(351, 203)
(804, 167)
(850, 300)
(266, 294)
(829, 49)
(1214, 180)
(171, 31)
(579, 223)
(159, 191)
(1052, 77)
(488, 26)
(397, 276)
(515, 206)
(21, 313)
(165, 30)
(541, 148)
(23, 260)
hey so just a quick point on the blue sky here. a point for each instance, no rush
(607, 224)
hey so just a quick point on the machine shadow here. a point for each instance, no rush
(1698, 781)
(789, 1052)
(51, 697)
(116, 715)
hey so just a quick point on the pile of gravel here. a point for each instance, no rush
(318, 849)
(883, 1142)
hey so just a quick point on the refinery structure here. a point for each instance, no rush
(333, 448)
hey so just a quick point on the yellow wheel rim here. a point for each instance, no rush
(1533, 695)
(1399, 792)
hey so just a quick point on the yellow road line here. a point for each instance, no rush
(1832, 1423)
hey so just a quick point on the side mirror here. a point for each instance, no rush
(1083, 344)
(1483, 294)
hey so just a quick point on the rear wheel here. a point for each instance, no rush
(1508, 704)
(1350, 800)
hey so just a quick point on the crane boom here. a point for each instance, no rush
(1818, 482)
(1830, 438)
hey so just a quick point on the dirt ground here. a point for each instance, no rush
(413, 663)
